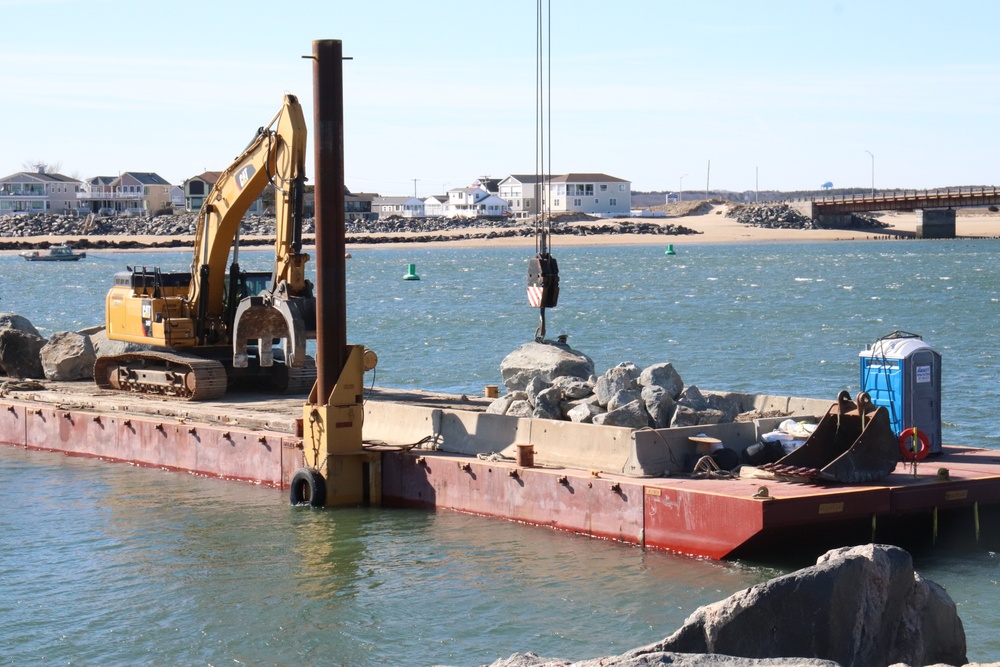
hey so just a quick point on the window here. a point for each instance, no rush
(557, 203)
(576, 202)
(621, 187)
(196, 187)
(614, 202)
(604, 187)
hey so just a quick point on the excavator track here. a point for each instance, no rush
(162, 374)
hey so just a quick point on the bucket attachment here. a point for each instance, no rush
(853, 443)
(265, 319)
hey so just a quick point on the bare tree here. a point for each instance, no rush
(41, 166)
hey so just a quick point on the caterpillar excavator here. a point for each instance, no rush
(210, 327)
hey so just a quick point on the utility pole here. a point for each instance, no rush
(414, 186)
(708, 176)
(756, 185)
(873, 172)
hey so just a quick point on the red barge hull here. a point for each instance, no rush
(260, 442)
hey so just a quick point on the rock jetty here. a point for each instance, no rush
(260, 229)
(860, 606)
(783, 216)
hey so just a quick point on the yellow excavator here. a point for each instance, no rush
(217, 327)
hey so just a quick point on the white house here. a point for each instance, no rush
(38, 192)
(404, 207)
(521, 194)
(594, 194)
(435, 206)
(474, 203)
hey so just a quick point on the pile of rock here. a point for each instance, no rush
(552, 381)
(773, 216)
(24, 353)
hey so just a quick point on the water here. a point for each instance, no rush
(111, 564)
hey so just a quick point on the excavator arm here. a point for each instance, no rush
(287, 309)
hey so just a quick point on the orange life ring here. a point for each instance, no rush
(906, 448)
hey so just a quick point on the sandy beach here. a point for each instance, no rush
(712, 226)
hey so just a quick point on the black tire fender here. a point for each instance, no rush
(307, 488)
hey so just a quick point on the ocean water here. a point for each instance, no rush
(112, 564)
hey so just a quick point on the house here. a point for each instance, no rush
(177, 197)
(435, 206)
(405, 207)
(591, 193)
(131, 193)
(37, 192)
(358, 206)
(197, 188)
(474, 203)
(522, 193)
(594, 194)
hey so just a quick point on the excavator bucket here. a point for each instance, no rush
(263, 319)
(853, 443)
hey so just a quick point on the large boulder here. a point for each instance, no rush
(104, 346)
(19, 352)
(18, 322)
(68, 356)
(657, 659)
(546, 404)
(857, 606)
(631, 415)
(662, 375)
(659, 404)
(545, 360)
(622, 377)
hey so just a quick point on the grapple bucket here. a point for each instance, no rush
(852, 444)
(265, 319)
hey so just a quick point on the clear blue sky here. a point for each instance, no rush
(443, 91)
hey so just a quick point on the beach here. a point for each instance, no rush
(709, 222)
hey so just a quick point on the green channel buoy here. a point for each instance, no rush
(670, 249)
(411, 272)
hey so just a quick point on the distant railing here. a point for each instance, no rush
(110, 195)
(904, 195)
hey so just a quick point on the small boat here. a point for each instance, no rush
(62, 252)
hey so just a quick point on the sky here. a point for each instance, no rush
(667, 94)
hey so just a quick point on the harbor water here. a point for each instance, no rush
(112, 564)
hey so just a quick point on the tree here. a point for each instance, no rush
(41, 166)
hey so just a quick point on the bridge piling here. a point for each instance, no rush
(936, 223)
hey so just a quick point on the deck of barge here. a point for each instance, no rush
(591, 480)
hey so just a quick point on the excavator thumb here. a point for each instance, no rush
(853, 443)
(265, 318)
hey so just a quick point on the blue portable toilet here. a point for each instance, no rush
(902, 373)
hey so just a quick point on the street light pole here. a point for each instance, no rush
(680, 188)
(873, 172)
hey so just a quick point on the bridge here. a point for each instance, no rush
(935, 208)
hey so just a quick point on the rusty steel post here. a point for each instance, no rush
(331, 269)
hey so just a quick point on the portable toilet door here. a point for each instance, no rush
(903, 374)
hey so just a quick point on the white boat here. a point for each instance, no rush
(62, 252)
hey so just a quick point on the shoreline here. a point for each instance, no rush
(711, 227)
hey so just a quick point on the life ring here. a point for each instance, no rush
(906, 448)
(308, 488)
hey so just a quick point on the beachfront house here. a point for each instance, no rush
(590, 193)
(519, 191)
(434, 206)
(474, 202)
(131, 193)
(32, 192)
(404, 207)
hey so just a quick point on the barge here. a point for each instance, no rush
(434, 451)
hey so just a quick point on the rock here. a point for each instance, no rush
(573, 387)
(857, 606)
(725, 404)
(18, 322)
(566, 406)
(547, 404)
(68, 356)
(661, 658)
(546, 360)
(683, 416)
(502, 404)
(693, 398)
(631, 415)
(659, 404)
(622, 398)
(662, 375)
(623, 376)
(584, 413)
(535, 386)
(519, 408)
(104, 346)
(19, 354)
